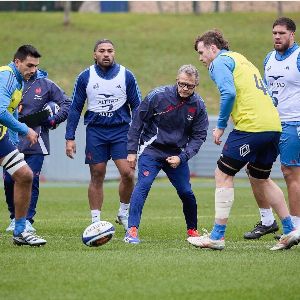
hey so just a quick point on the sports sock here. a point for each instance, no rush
(123, 210)
(95, 213)
(296, 221)
(287, 225)
(218, 232)
(20, 225)
(266, 216)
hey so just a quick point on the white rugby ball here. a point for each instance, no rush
(98, 234)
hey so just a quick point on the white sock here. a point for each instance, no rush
(95, 213)
(266, 216)
(296, 221)
(123, 210)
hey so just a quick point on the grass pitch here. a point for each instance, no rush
(163, 266)
(152, 46)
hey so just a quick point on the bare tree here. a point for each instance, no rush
(176, 7)
(160, 7)
(228, 6)
(279, 8)
(67, 10)
(196, 7)
(216, 6)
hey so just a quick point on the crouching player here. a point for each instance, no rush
(22, 68)
(168, 129)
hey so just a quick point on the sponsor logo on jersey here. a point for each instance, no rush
(276, 77)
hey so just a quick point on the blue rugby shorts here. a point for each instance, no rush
(104, 143)
(289, 145)
(261, 147)
(6, 146)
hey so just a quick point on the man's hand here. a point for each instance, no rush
(173, 161)
(32, 136)
(131, 158)
(70, 148)
(217, 133)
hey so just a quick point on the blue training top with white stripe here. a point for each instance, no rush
(80, 96)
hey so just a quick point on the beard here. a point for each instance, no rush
(282, 47)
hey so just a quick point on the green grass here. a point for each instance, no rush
(152, 46)
(163, 266)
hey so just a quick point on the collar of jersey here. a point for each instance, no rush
(16, 72)
(287, 53)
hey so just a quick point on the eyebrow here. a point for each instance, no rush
(279, 31)
(31, 65)
(105, 49)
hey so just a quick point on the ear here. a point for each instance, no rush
(214, 48)
(293, 35)
(17, 62)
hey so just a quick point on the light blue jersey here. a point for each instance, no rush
(11, 94)
(282, 78)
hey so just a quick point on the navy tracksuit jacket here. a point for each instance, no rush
(166, 125)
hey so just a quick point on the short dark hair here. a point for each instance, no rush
(26, 50)
(287, 22)
(212, 37)
(102, 42)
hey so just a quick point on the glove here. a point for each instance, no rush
(50, 123)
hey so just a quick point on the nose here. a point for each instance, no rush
(277, 36)
(33, 69)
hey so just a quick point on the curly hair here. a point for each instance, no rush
(212, 37)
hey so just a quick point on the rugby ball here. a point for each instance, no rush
(98, 234)
(52, 107)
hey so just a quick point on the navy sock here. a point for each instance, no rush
(218, 232)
